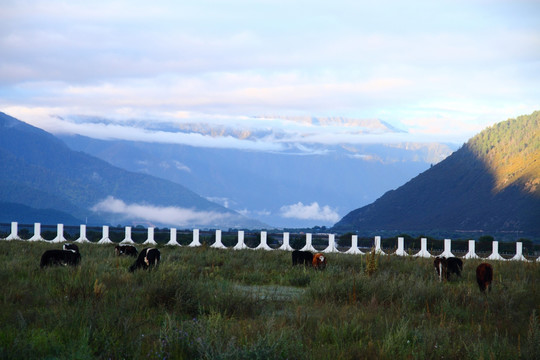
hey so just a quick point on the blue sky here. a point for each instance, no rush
(441, 70)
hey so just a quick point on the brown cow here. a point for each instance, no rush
(319, 261)
(484, 276)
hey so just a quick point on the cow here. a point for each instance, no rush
(441, 267)
(444, 267)
(455, 266)
(126, 250)
(484, 276)
(60, 257)
(148, 258)
(319, 261)
(302, 257)
(70, 246)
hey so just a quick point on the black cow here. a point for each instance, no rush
(148, 258)
(126, 250)
(302, 257)
(60, 257)
(70, 246)
(455, 266)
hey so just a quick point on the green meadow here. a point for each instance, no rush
(206, 303)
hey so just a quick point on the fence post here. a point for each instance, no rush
(519, 252)
(195, 241)
(127, 236)
(495, 253)
(471, 254)
(354, 246)
(308, 246)
(14, 235)
(286, 245)
(172, 239)
(401, 247)
(37, 233)
(218, 243)
(240, 244)
(378, 249)
(264, 243)
(423, 249)
(82, 235)
(331, 244)
(150, 240)
(105, 236)
(59, 234)
(447, 249)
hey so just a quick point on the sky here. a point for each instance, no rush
(439, 70)
(142, 70)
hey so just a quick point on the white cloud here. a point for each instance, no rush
(309, 212)
(181, 166)
(166, 215)
(386, 59)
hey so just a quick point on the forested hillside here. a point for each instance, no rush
(511, 151)
(490, 185)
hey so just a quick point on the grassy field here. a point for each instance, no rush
(205, 303)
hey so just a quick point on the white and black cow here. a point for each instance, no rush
(129, 250)
(71, 246)
(148, 258)
(60, 257)
(444, 267)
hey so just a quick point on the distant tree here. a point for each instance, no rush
(485, 243)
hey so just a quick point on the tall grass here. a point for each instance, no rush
(205, 303)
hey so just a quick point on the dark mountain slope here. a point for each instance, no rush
(491, 184)
(40, 171)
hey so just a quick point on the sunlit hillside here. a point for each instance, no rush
(511, 151)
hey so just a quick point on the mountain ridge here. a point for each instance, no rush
(40, 170)
(463, 192)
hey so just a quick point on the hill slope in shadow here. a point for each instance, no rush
(491, 184)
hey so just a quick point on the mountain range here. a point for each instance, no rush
(490, 185)
(301, 184)
(42, 176)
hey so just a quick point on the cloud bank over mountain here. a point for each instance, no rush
(269, 134)
(444, 70)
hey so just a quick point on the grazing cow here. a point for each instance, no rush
(484, 276)
(148, 258)
(319, 261)
(126, 250)
(302, 257)
(72, 247)
(455, 266)
(444, 267)
(60, 257)
(441, 267)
